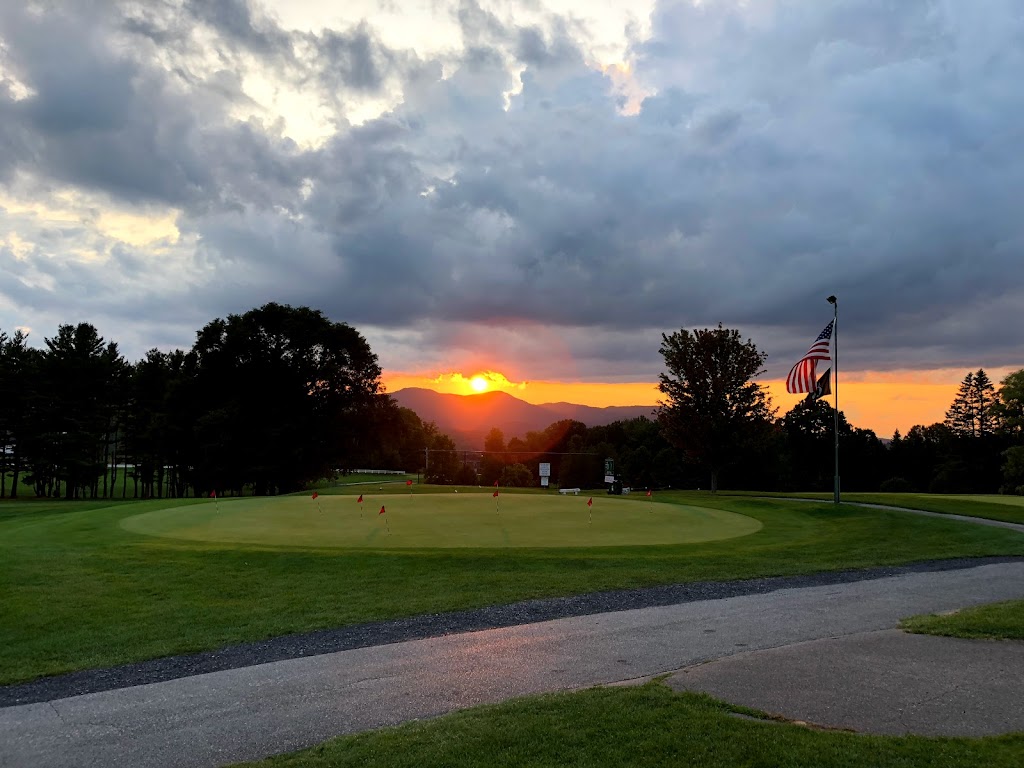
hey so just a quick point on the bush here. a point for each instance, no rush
(896, 485)
(516, 476)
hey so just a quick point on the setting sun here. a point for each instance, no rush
(478, 383)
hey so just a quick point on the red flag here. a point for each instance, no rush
(590, 501)
(408, 482)
(648, 493)
(495, 483)
(316, 495)
(495, 494)
(360, 499)
(381, 510)
(213, 494)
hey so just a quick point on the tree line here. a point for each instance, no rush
(264, 402)
(723, 422)
(717, 425)
(274, 399)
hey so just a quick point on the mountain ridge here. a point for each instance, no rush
(468, 418)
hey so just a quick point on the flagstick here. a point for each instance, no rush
(835, 389)
(318, 509)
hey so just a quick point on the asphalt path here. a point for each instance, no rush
(251, 712)
(886, 682)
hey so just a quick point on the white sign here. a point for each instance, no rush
(543, 482)
(609, 478)
(545, 470)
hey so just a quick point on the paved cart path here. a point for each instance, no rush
(246, 713)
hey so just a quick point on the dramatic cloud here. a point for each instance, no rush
(517, 187)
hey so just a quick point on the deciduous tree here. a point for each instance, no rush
(284, 389)
(713, 408)
(1010, 406)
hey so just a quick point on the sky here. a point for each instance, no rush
(531, 192)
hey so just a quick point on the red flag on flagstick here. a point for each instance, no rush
(495, 483)
(590, 501)
(382, 510)
(495, 494)
(648, 494)
(316, 495)
(360, 499)
(213, 494)
(408, 482)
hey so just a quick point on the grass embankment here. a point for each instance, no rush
(1009, 509)
(995, 621)
(79, 591)
(643, 726)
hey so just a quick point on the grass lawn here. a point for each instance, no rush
(442, 521)
(81, 590)
(1007, 508)
(995, 621)
(642, 726)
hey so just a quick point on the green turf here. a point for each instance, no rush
(80, 591)
(442, 521)
(996, 621)
(642, 726)
(1006, 508)
(989, 498)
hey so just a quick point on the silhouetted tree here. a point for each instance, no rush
(1009, 408)
(79, 376)
(713, 409)
(810, 441)
(284, 389)
(972, 414)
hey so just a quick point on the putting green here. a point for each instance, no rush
(442, 520)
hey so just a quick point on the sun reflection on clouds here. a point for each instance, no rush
(457, 383)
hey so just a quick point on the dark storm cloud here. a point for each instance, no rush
(784, 153)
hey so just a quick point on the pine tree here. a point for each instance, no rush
(960, 416)
(973, 412)
(984, 397)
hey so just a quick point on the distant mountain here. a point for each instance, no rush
(468, 418)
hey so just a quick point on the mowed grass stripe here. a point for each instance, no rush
(1009, 509)
(443, 521)
(80, 591)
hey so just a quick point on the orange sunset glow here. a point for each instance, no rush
(880, 401)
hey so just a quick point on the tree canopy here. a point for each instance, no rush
(267, 401)
(284, 391)
(713, 408)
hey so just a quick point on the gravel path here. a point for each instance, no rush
(436, 625)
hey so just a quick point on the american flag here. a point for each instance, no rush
(802, 376)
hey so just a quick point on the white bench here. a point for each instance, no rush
(573, 491)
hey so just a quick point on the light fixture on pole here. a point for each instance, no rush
(835, 388)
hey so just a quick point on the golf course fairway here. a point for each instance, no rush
(443, 520)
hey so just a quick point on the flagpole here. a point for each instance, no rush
(835, 388)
